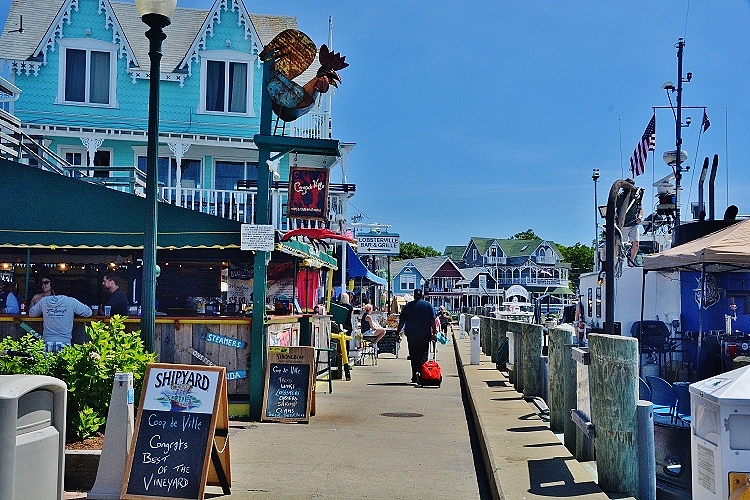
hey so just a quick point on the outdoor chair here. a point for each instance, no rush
(683, 401)
(663, 396)
(644, 391)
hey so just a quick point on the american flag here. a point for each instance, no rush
(648, 143)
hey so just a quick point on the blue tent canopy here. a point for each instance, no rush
(355, 268)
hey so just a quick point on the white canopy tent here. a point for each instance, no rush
(725, 250)
(722, 251)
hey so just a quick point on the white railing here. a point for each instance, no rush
(225, 203)
(312, 126)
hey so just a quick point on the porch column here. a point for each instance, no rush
(92, 144)
(178, 149)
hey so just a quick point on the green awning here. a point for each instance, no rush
(305, 251)
(48, 210)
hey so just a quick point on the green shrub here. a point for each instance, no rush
(88, 369)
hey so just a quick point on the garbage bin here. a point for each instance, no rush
(720, 445)
(32, 436)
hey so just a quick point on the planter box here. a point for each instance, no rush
(80, 469)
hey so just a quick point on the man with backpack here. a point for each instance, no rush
(417, 319)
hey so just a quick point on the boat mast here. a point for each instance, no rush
(678, 130)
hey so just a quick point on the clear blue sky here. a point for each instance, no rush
(487, 118)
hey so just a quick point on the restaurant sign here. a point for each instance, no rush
(378, 243)
(308, 193)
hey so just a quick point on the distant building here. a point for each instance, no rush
(499, 270)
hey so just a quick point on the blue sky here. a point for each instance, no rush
(487, 118)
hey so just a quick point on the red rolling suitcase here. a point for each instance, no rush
(431, 374)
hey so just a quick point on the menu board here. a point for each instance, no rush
(389, 343)
(289, 380)
(183, 415)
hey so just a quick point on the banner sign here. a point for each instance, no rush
(308, 193)
(378, 244)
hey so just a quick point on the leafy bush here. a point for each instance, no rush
(88, 369)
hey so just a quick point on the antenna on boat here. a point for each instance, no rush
(669, 86)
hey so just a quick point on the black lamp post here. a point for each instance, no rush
(155, 14)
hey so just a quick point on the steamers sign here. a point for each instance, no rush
(378, 244)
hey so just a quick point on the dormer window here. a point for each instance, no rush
(87, 73)
(227, 82)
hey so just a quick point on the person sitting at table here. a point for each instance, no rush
(370, 327)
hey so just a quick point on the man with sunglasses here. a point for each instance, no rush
(46, 285)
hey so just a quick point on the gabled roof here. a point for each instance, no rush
(454, 252)
(517, 248)
(188, 30)
(426, 266)
(482, 244)
(470, 273)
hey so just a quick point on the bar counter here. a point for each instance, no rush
(202, 339)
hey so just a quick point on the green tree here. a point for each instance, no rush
(409, 250)
(529, 234)
(581, 259)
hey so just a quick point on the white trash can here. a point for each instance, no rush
(720, 444)
(32, 436)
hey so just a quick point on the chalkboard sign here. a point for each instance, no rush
(289, 380)
(183, 418)
(389, 343)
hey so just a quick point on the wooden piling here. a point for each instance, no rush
(614, 396)
(533, 338)
(569, 397)
(558, 337)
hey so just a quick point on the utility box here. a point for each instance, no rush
(32, 436)
(720, 444)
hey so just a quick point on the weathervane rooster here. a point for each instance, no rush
(292, 52)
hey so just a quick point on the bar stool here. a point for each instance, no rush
(327, 361)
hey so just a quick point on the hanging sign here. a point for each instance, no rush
(378, 243)
(183, 420)
(308, 193)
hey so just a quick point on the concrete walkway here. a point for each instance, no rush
(379, 436)
(376, 436)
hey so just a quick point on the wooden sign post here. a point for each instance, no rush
(183, 420)
(289, 380)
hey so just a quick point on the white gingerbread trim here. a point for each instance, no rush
(207, 30)
(55, 31)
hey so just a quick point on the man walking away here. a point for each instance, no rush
(417, 319)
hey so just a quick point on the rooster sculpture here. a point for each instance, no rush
(292, 52)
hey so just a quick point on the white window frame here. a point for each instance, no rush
(408, 282)
(88, 45)
(228, 56)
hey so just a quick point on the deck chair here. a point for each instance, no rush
(683, 402)
(663, 396)
(644, 391)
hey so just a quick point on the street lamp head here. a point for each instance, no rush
(162, 7)
(668, 86)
